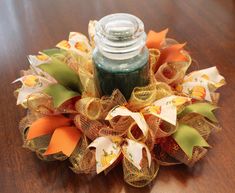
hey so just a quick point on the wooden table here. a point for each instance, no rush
(208, 26)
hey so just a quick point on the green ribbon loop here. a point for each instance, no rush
(204, 109)
(60, 94)
(53, 51)
(63, 74)
(187, 138)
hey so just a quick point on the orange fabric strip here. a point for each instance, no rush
(47, 125)
(154, 39)
(64, 140)
(172, 54)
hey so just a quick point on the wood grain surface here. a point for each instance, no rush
(27, 26)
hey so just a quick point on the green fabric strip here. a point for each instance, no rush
(60, 94)
(204, 109)
(187, 138)
(63, 74)
(53, 51)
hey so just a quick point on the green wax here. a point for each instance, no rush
(124, 75)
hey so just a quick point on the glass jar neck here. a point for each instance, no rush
(120, 36)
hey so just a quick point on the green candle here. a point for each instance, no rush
(120, 56)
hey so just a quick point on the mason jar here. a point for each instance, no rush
(120, 56)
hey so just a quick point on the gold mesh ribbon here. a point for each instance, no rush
(40, 103)
(83, 158)
(135, 133)
(83, 66)
(215, 97)
(88, 83)
(144, 96)
(157, 129)
(98, 108)
(76, 61)
(91, 32)
(202, 125)
(154, 55)
(90, 128)
(136, 177)
(173, 73)
(89, 107)
(160, 127)
(119, 127)
(108, 102)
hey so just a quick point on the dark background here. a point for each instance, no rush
(208, 27)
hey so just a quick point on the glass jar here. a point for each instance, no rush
(120, 56)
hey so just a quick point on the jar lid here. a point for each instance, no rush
(120, 36)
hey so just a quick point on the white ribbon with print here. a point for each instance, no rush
(77, 42)
(138, 117)
(30, 84)
(108, 151)
(166, 108)
(198, 84)
(133, 151)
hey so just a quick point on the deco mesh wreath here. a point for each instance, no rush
(162, 124)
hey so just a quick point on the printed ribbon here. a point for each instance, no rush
(166, 108)
(123, 111)
(30, 84)
(108, 149)
(202, 83)
(55, 79)
(77, 42)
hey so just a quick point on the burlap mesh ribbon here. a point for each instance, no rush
(98, 108)
(173, 149)
(83, 158)
(136, 177)
(174, 72)
(119, 127)
(90, 128)
(92, 112)
(159, 127)
(154, 55)
(41, 103)
(202, 125)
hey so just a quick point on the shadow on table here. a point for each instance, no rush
(57, 176)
